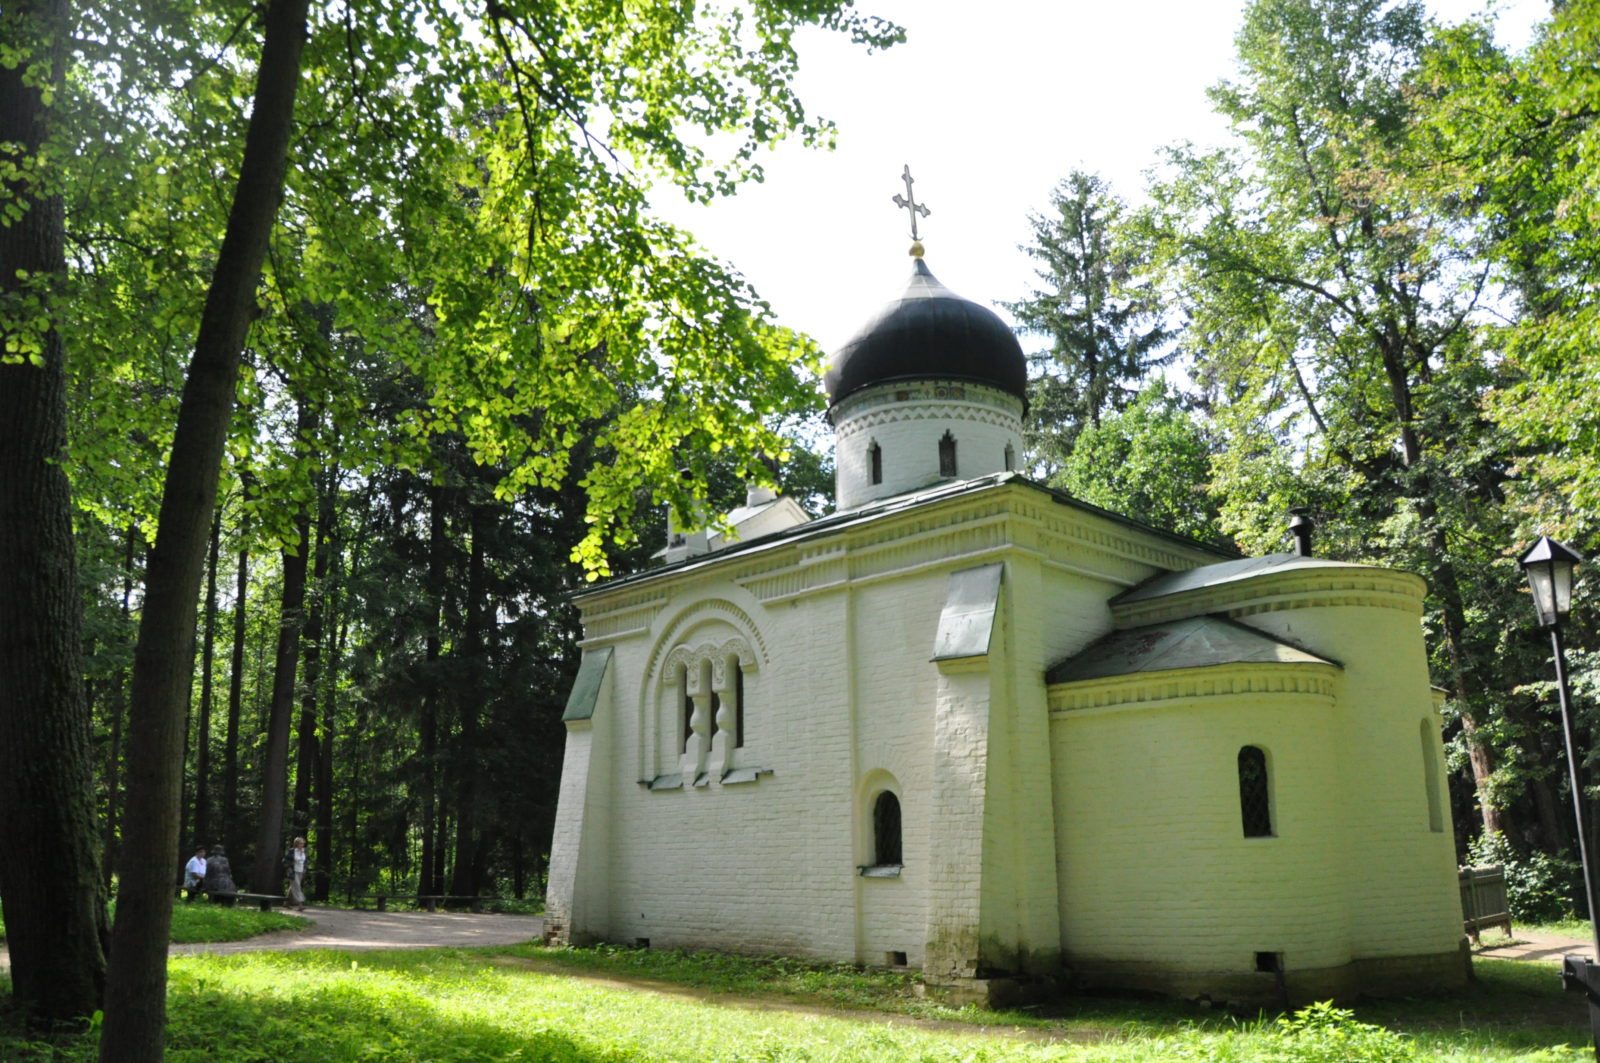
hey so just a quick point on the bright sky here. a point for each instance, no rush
(991, 104)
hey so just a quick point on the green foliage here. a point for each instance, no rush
(1540, 888)
(1096, 309)
(1150, 462)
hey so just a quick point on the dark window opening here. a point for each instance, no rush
(875, 460)
(947, 455)
(738, 707)
(886, 830)
(1269, 962)
(1011, 458)
(895, 959)
(641, 943)
(688, 708)
(1255, 806)
(716, 703)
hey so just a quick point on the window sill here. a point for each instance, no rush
(733, 777)
(881, 870)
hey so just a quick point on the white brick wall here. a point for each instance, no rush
(1110, 835)
(983, 421)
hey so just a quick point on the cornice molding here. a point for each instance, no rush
(922, 392)
(1362, 587)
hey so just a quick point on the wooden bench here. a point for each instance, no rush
(431, 901)
(426, 901)
(263, 901)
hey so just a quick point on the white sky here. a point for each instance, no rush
(991, 104)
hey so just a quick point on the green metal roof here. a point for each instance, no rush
(1194, 579)
(1198, 642)
(586, 688)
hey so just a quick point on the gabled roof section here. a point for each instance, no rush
(842, 519)
(1198, 642)
(1207, 576)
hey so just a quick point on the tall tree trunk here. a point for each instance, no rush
(202, 759)
(231, 833)
(325, 830)
(308, 754)
(135, 1013)
(49, 878)
(266, 875)
(119, 707)
(431, 877)
(464, 883)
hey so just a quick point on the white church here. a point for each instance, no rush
(970, 726)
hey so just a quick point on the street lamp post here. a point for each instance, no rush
(1549, 566)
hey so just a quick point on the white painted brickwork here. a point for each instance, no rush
(1103, 834)
(907, 425)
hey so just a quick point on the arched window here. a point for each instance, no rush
(738, 706)
(886, 830)
(686, 710)
(947, 455)
(1011, 458)
(1255, 803)
(875, 462)
(1430, 776)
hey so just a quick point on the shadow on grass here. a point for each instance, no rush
(387, 1017)
(452, 1006)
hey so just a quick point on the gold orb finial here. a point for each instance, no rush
(916, 249)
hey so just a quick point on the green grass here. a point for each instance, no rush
(528, 1003)
(212, 922)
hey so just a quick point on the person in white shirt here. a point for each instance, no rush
(194, 872)
(294, 866)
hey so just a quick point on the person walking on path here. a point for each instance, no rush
(294, 866)
(194, 872)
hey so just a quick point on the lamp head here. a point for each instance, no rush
(1549, 566)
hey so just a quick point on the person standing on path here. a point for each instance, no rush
(194, 872)
(294, 866)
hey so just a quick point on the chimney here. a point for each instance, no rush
(755, 495)
(1301, 527)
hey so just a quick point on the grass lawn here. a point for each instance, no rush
(199, 921)
(529, 1003)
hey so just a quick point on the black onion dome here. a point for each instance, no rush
(929, 333)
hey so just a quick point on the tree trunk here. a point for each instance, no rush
(202, 759)
(431, 876)
(119, 706)
(464, 882)
(49, 875)
(135, 1013)
(266, 876)
(309, 754)
(231, 834)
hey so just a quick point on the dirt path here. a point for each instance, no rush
(1531, 945)
(339, 928)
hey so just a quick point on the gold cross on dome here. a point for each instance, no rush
(909, 202)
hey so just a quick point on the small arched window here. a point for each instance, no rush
(1430, 776)
(1011, 458)
(947, 455)
(875, 462)
(886, 830)
(738, 706)
(1255, 801)
(686, 710)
